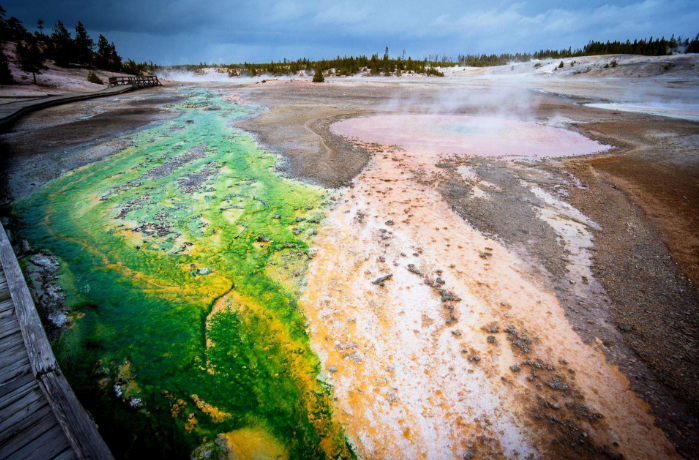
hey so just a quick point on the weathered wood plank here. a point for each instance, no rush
(18, 405)
(12, 353)
(80, 430)
(9, 328)
(7, 304)
(17, 393)
(11, 340)
(45, 446)
(15, 369)
(13, 384)
(26, 422)
(18, 372)
(27, 434)
(67, 454)
(38, 347)
(4, 313)
(27, 411)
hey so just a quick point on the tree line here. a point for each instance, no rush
(387, 65)
(65, 49)
(649, 47)
(340, 66)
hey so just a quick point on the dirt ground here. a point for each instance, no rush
(628, 289)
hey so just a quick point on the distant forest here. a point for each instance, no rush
(387, 65)
(650, 47)
(33, 50)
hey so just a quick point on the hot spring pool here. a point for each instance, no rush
(468, 135)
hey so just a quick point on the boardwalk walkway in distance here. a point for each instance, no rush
(13, 110)
(40, 417)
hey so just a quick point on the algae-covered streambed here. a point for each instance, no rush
(181, 258)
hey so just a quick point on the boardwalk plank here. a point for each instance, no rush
(12, 353)
(6, 302)
(20, 371)
(67, 454)
(45, 446)
(15, 370)
(19, 405)
(28, 411)
(11, 340)
(27, 434)
(15, 383)
(7, 312)
(25, 422)
(9, 328)
(17, 393)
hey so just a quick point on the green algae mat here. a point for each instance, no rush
(181, 259)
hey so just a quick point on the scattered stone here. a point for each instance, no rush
(413, 269)
(380, 281)
(448, 296)
(491, 339)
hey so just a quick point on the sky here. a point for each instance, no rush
(230, 31)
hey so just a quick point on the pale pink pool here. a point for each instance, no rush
(468, 135)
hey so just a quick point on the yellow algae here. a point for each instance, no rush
(216, 414)
(254, 444)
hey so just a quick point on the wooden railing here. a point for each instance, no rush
(136, 81)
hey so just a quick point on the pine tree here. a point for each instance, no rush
(101, 58)
(5, 73)
(30, 58)
(83, 45)
(16, 29)
(114, 58)
(318, 76)
(106, 56)
(63, 46)
(40, 28)
(4, 31)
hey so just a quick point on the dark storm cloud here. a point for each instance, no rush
(218, 30)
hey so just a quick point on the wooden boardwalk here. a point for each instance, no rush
(40, 417)
(13, 110)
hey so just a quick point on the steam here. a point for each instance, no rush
(216, 75)
(510, 99)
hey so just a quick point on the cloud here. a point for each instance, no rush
(344, 13)
(170, 31)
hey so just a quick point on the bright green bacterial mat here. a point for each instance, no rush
(182, 257)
